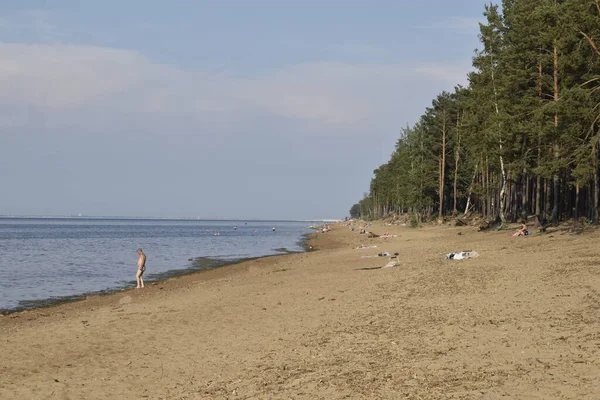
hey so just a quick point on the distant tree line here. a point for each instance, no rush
(521, 139)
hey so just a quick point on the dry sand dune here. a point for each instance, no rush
(522, 321)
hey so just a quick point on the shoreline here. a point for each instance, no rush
(519, 321)
(161, 277)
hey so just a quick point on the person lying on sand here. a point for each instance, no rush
(521, 231)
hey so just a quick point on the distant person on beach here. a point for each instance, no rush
(522, 231)
(141, 263)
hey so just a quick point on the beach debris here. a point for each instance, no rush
(460, 222)
(485, 225)
(384, 254)
(362, 246)
(393, 262)
(489, 224)
(460, 255)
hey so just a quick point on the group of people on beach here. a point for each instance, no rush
(141, 262)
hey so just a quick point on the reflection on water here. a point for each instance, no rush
(43, 259)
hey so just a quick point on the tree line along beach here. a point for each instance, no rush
(520, 140)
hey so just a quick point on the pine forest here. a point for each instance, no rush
(520, 141)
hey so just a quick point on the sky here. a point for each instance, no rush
(267, 109)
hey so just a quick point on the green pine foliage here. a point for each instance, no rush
(521, 140)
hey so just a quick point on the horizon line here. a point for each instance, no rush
(115, 217)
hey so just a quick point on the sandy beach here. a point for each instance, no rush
(521, 321)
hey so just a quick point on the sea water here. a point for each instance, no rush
(46, 260)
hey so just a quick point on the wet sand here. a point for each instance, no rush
(522, 321)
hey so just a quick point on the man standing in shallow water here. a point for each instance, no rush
(141, 263)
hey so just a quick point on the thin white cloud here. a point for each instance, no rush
(70, 78)
(63, 76)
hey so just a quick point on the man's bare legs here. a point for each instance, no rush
(139, 278)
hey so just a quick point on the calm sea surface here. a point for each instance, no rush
(44, 260)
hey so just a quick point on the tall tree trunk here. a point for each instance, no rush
(502, 170)
(374, 210)
(538, 183)
(442, 169)
(596, 177)
(456, 161)
(547, 203)
(471, 189)
(510, 195)
(486, 185)
(576, 208)
(556, 179)
(524, 194)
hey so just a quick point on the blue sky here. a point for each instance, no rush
(225, 109)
